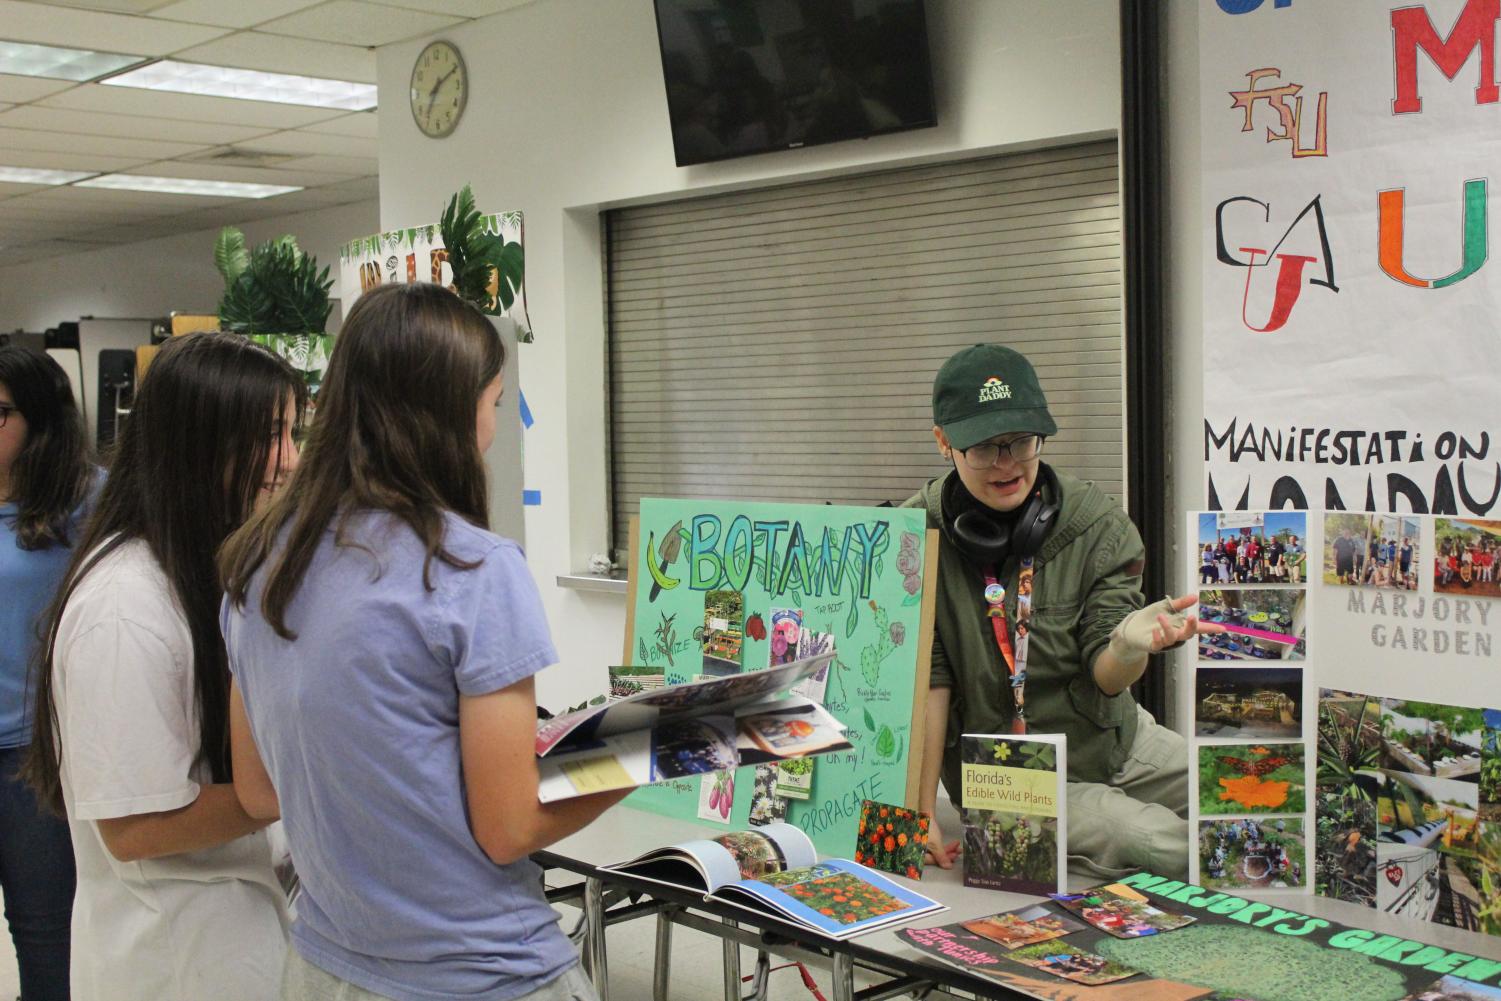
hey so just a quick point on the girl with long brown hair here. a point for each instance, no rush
(177, 897)
(45, 482)
(383, 644)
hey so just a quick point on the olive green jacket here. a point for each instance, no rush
(1086, 579)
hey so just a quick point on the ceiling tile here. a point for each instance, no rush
(20, 89)
(299, 141)
(359, 22)
(68, 161)
(120, 6)
(244, 175)
(358, 124)
(8, 189)
(93, 123)
(86, 29)
(255, 50)
(130, 204)
(458, 8)
(38, 251)
(230, 13)
(349, 166)
(62, 142)
(188, 107)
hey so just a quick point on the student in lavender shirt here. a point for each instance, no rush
(383, 644)
(45, 483)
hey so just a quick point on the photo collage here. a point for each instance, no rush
(1251, 796)
(1384, 800)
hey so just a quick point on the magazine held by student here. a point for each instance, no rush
(685, 730)
(774, 869)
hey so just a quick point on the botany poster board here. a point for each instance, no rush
(416, 254)
(861, 578)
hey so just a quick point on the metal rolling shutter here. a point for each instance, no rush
(780, 344)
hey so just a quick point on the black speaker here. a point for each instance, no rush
(117, 386)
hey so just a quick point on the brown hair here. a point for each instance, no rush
(395, 432)
(51, 475)
(189, 464)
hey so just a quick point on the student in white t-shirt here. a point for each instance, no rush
(177, 896)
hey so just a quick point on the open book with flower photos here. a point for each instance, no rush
(774, 869)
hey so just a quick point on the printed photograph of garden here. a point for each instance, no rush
(1251, 778)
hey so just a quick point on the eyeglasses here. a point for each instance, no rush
(5, 411)
(984, 455)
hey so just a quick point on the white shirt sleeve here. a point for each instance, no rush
(128, 721)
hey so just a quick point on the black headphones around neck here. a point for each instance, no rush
(986, 538)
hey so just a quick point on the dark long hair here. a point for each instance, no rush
(190, 462)
(395, 432)
(51, 475)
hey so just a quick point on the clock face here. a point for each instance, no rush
(440, 86)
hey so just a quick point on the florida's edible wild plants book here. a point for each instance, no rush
(774, 869)
(1014, 831)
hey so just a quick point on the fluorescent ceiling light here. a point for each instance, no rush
(28, 175)
(248, 85)
(185, 186)
(25, 59)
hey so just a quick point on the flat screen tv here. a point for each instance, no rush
(749, 76)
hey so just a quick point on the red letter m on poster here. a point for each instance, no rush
(1412, 30)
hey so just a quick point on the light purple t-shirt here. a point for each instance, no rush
(357, 721)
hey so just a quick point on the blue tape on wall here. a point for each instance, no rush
(531, 498)
(526, 411)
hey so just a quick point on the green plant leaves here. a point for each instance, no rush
(477, 256)
(230, 255)
(276, 290)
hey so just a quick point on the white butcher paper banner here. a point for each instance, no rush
(1352, 315)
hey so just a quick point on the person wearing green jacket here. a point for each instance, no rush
(1040, 622)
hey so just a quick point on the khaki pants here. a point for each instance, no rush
(302, 981)
(1140, 819)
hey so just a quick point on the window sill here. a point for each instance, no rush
(593, 582)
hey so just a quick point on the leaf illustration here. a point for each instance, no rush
(870, 721)
(885, 742)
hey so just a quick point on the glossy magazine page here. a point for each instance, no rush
(837, 897)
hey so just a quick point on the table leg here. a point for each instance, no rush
(731, 966)
(662, 966)
(844, 977)
(594, 937)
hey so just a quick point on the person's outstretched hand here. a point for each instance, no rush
(942, 855)
(1158, 627)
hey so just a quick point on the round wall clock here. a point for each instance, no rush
(440, 87)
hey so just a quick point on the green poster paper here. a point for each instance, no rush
(855, 575)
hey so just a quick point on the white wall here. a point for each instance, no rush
(567, 114)
(155, 277)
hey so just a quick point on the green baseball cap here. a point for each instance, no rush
(988, 390)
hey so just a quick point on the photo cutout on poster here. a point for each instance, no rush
(716, 796)
(1249, 703)
(1253, 853)
(1071, 963)
(786, 628)
(1490, 768)
(1122, 912)
(1467, 557)
(1349, 750)
(1250, 547)
(1251, 778)
(811, 644)
(1014, 929)
(1260, 624)
(1452, 988)
(1437, 862)
(724, 632)
(1429, 738)
(1371, 550)
(766, 806)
